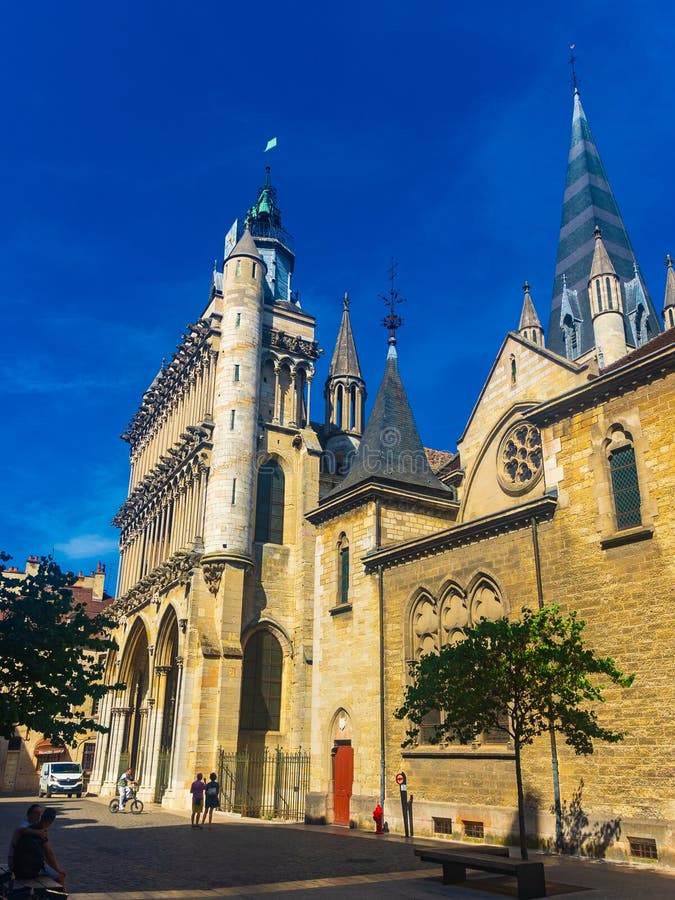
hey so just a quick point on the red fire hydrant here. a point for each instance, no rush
(378, 816)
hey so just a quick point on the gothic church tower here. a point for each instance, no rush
(589, 204)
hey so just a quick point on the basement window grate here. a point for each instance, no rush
(474, 830)
(643, 848)
(442, 826)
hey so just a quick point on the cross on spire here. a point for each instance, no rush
(573, 59)
(392, 321)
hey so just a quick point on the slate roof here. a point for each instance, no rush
(245, 246)
(391, 449)
(528, 317)
(588, 202)
(345, 358)
(669, 298)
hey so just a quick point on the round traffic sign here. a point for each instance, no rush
(400, 778)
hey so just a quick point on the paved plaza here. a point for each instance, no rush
(158, 855)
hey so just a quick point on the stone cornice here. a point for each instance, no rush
(606, 386)
(279, 340)
(513, 519)
(194, 350)
(392, 494)
(177, 569)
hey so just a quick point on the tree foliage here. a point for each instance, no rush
(52, 655)
(522, 676)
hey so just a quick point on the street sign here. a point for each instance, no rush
(400, 778)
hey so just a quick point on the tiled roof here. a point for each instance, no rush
(665, 339)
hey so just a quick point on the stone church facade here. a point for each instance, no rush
(278, 575)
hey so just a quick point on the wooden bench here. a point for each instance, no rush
(530, 875)
(42, 886)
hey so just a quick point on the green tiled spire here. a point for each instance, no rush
(589, 203)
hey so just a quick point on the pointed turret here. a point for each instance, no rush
(604, 291)
(345, 390)
(669, 299)
(588, 202)
(391, 450)
(530, 326)
(245, 246)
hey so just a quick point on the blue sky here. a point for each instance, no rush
(133, 136)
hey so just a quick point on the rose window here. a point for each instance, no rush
(520, 458)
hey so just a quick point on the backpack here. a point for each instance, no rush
(28, 857)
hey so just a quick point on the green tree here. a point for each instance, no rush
(52, 655)
(521, 676)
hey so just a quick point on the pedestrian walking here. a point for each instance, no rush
(197, 790)
(212, 795)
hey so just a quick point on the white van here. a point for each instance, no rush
(60, 778)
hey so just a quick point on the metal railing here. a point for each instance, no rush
(270, 784)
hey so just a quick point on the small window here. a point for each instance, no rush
(441, 825)
(608, 285)
(233, 415)
(343, 570)
(88, 757)
(643, 848)
(236, 373)
(625, 487)
(253, 270)
(238, 268)
(474, 830)
(598, 295)
(514, 370)
(234, 491)
(237, 321)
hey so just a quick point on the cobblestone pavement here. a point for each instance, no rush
(158, 856)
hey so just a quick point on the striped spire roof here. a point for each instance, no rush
(589, 203)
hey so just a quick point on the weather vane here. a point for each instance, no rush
(573, 59)
(392, 321)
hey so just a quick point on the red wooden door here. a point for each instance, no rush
(343, 776)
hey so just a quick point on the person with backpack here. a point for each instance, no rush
(212, 792)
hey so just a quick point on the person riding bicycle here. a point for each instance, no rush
(125, 786)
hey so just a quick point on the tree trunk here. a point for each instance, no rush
(521, 804)
(556, 792)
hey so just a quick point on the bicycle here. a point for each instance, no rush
(133, 804)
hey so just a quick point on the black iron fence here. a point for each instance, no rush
(270, 784)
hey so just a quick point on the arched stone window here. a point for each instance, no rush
(571, 337)
(339, 403)
(624, 479)
(269, 511)
(261, 683)
(454, 615)
(486, 602)
(343, 569)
